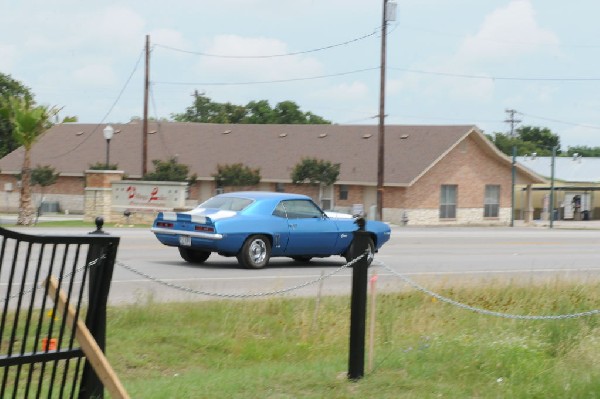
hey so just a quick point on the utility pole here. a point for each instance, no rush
(145, 118)
(511, 119)
(389, 14)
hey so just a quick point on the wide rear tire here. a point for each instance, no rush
(255, 252)
(193, 255)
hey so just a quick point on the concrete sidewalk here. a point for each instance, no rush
(561, 224)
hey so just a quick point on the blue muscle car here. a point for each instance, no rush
(255, 226)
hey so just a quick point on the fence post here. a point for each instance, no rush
(99, 285)
(358, 309)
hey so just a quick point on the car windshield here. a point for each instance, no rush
(226, 203)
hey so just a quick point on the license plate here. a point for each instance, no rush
(185, 241)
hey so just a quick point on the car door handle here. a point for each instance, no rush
(293, 226)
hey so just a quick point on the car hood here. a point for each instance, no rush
(338, 215)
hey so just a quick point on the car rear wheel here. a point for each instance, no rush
(255, 252)
(351, 250)
(193, 255)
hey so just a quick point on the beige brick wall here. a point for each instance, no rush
(470, 168)
(67, 191)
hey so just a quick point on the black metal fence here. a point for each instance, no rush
(39, 353)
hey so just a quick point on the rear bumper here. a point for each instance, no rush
(193, 234)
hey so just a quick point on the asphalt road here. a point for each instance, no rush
(433, 257)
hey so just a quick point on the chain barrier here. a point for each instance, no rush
(480, 310)
(404, 278)
(64, 276)
(239, 296)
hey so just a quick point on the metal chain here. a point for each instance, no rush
(64, 276)
(480, 310)
(239, 296)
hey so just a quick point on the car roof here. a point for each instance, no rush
(263, 195)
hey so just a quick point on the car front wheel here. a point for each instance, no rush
(370, 252)
(193, 256)
(255, 252)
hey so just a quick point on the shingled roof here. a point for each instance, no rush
(409, 150)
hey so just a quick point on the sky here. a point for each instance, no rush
(447, 62)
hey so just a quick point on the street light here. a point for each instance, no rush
(108, 133)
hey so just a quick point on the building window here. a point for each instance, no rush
(448, 201)
(491, 204)
(343, 192)
(279, 187)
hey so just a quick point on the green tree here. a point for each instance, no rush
(43, 176)
(170, 170)
(288, 112)
(527, 140)
(316, 172)
(259, 112)
(584, 151)
(236, 175)
(28, 122)
(204, 110)
(10, 87)
(102, 166)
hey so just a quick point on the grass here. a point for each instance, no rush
(78, 223)
(287, 348)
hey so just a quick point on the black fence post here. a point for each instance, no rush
(100, 278)
(358, 310)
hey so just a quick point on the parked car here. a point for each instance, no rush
(256, 226)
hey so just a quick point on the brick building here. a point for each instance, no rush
(433, 174)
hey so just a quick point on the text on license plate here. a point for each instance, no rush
(185, 241)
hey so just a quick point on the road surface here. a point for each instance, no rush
(433, 257)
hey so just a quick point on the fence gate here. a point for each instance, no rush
(39, 353)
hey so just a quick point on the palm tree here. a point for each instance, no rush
(28, 121)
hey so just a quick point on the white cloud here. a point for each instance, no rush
(579, 136)
(8, 54)
(263, 69)
(506, 33)
(169, 37)
(345, 92)
(95, 75)
(118, 26)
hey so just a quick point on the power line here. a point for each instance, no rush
(269, 55)
(455, 75)
(109, 110)
(265, 81)
(560, 121)
(511, 42)
(467, 76)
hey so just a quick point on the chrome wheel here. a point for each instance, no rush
(255, 252)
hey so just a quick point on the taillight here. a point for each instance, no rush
(206, 229)
(168, 225)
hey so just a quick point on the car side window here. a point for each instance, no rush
(280, 210)
(302, 209)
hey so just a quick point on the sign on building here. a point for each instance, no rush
(149, 194)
